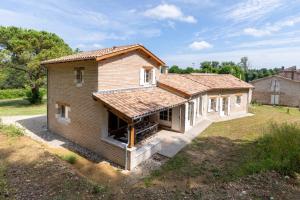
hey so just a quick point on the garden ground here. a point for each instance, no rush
(208, 168)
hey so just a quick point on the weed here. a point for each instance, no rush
(11, 130)
(70, 158)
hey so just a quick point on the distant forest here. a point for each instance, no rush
(240, 70)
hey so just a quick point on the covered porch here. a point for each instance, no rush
(136, 114)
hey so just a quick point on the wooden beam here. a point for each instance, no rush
(131, 136)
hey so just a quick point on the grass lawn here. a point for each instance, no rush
(202, 170)
(12, 107)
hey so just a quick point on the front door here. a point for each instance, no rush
(224, 106)
(275, 99)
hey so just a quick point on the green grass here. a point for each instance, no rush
(12, 93)
(20, 107)
(70, 158)
(278, 149)
(239, 147)
(11, 130)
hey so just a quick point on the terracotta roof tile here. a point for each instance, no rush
(219, 81)
(181, 83)
(86, 55)
(134, 103)
(196, 83)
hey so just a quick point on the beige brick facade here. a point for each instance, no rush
(124, 71)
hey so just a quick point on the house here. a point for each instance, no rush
(291, 73)
(113, 101)
(278, 89)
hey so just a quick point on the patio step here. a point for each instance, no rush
(172, 142)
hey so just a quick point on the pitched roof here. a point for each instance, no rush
(139, 102)
(276, 76)
(182, 84)
(102, 54)
(219, 81)
(192, 84)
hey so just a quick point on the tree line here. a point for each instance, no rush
(22, 50)
(240, 70)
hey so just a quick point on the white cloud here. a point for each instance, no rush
(269, 29)
(252, 9)
(256, 32)
(168, 12)
(199, 45)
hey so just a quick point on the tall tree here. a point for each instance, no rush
(244, 63)
(24, 49)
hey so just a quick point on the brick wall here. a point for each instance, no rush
(289, 94)
(88, 117)
(123, 71)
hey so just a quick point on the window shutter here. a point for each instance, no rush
(209, 105)
(153, 76)
(142, 76)
(219, 104)
(229, 105)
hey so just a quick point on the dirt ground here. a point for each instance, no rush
(32, 172)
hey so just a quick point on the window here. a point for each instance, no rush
(166, 115)
(212, 105)
(79, 75)
(238, 100)
(62, 112)
(147, 76)
(275, 86)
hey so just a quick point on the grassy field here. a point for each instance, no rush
(212, 167)
(12, 107)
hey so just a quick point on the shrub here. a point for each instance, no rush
(278, 149)
(35, 98)
(70, 158)
(11, 130)
(12, 93)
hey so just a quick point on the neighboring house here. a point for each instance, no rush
(277, 90)
(111, 100)
(291, 73)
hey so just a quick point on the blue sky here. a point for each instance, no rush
(182, 32)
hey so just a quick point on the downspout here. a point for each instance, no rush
(47, 98)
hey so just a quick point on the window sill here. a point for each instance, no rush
(63, 120)
(78, 84)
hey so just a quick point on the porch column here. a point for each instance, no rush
(131, 136)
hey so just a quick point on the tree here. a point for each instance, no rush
(244, 63)
(24, 49)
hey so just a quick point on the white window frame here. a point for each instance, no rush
(62, 119)
(167, 114)
(147, 76)
(79, 71)
(210, 108)
(236, 100)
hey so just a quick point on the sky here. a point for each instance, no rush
(180, 32)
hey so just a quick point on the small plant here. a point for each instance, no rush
(98, 189)
(288, 111)
(70, 158)
(11, 130)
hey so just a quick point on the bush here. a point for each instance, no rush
(278, 149)
(11, 130)
(70, 158)
(12, 93)
(35, 98)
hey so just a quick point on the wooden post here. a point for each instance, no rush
(131, 137)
